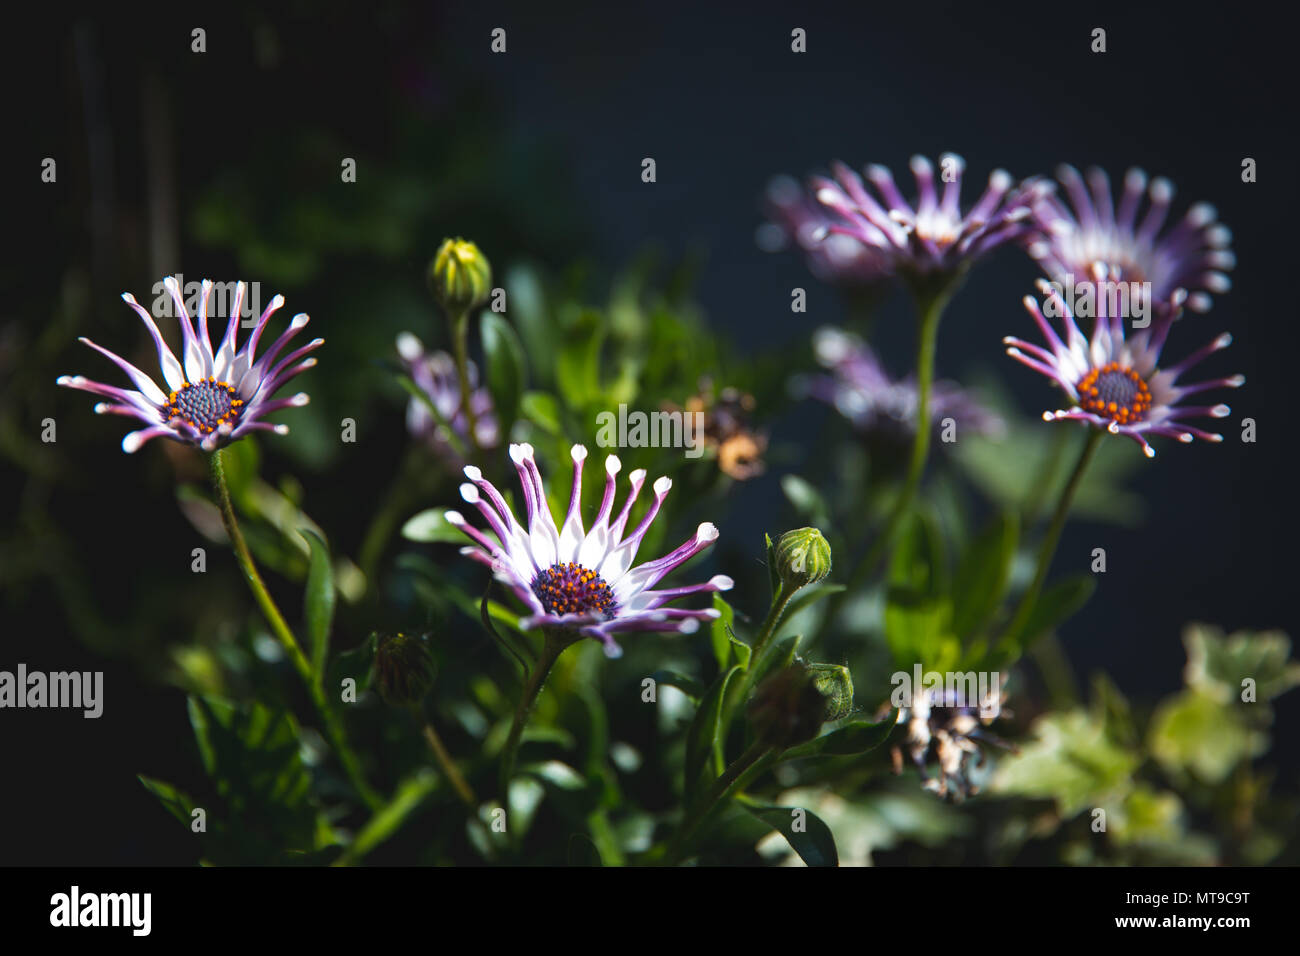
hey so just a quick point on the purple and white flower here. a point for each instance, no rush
(212, 397)
(1188, 260)
(435, 375)
(799, 220)
(1118, 385)
(859, 388)
(935, 236)
(576, 580)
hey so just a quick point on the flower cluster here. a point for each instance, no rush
(938, 725)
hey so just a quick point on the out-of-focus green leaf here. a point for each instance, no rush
(1194, 732)
(542, 410)
(1218, 665)
(981, 579)
(687, 685)
(432, 525)
(1056, 603)
(807, 501)
(1072, 760)
(319, 601)
(507, 368)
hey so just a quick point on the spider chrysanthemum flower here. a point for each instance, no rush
(1118, 384)
(860, 389)
(435, 375)
(212, 397)
(935, 236)
(581, 581)
(1190, 259)
(798, 219)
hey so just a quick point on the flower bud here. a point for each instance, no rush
(787, 708)
(835, 684)
(403, 668)
(803, 557)
(460, 276)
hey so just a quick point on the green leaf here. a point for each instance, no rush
(854, 737)
(773, 575)
(176, 803)
(432, 526)
(982, 577)
(252, 754)
(704, 744)
(806, 833)
(578, 363)
(807, 501)
(319, 601)
(687, 685)
(721, 630)
(542, 410)
(507, 369)
(918, 630)
(1055, 604)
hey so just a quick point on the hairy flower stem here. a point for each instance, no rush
(333, 729)
(930, 307)
(552, 646)
(1047, 550)
(734, 779)
(440, 754)
(460, 331)
(757, 653)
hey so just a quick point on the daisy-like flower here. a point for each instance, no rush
(435, 374)
(1190, 259)
(937, 726)
(799, 220)
(1118, 385)
(581, 581)
(935, 236)
(213, 397)
(860, 389)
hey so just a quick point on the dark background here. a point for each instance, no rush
(536, 154)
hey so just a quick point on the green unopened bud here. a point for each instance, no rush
(787, 708)
(803, 557)
(404, 668)
(460, 276)
(836, 686)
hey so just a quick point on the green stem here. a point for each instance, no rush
(553, 645)
(758, 649)
(333, 729)
(733, 781)
(460, 331)
(1047, 550)
(930, 309)
(449, 768)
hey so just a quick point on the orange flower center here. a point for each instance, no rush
(1115, 392)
